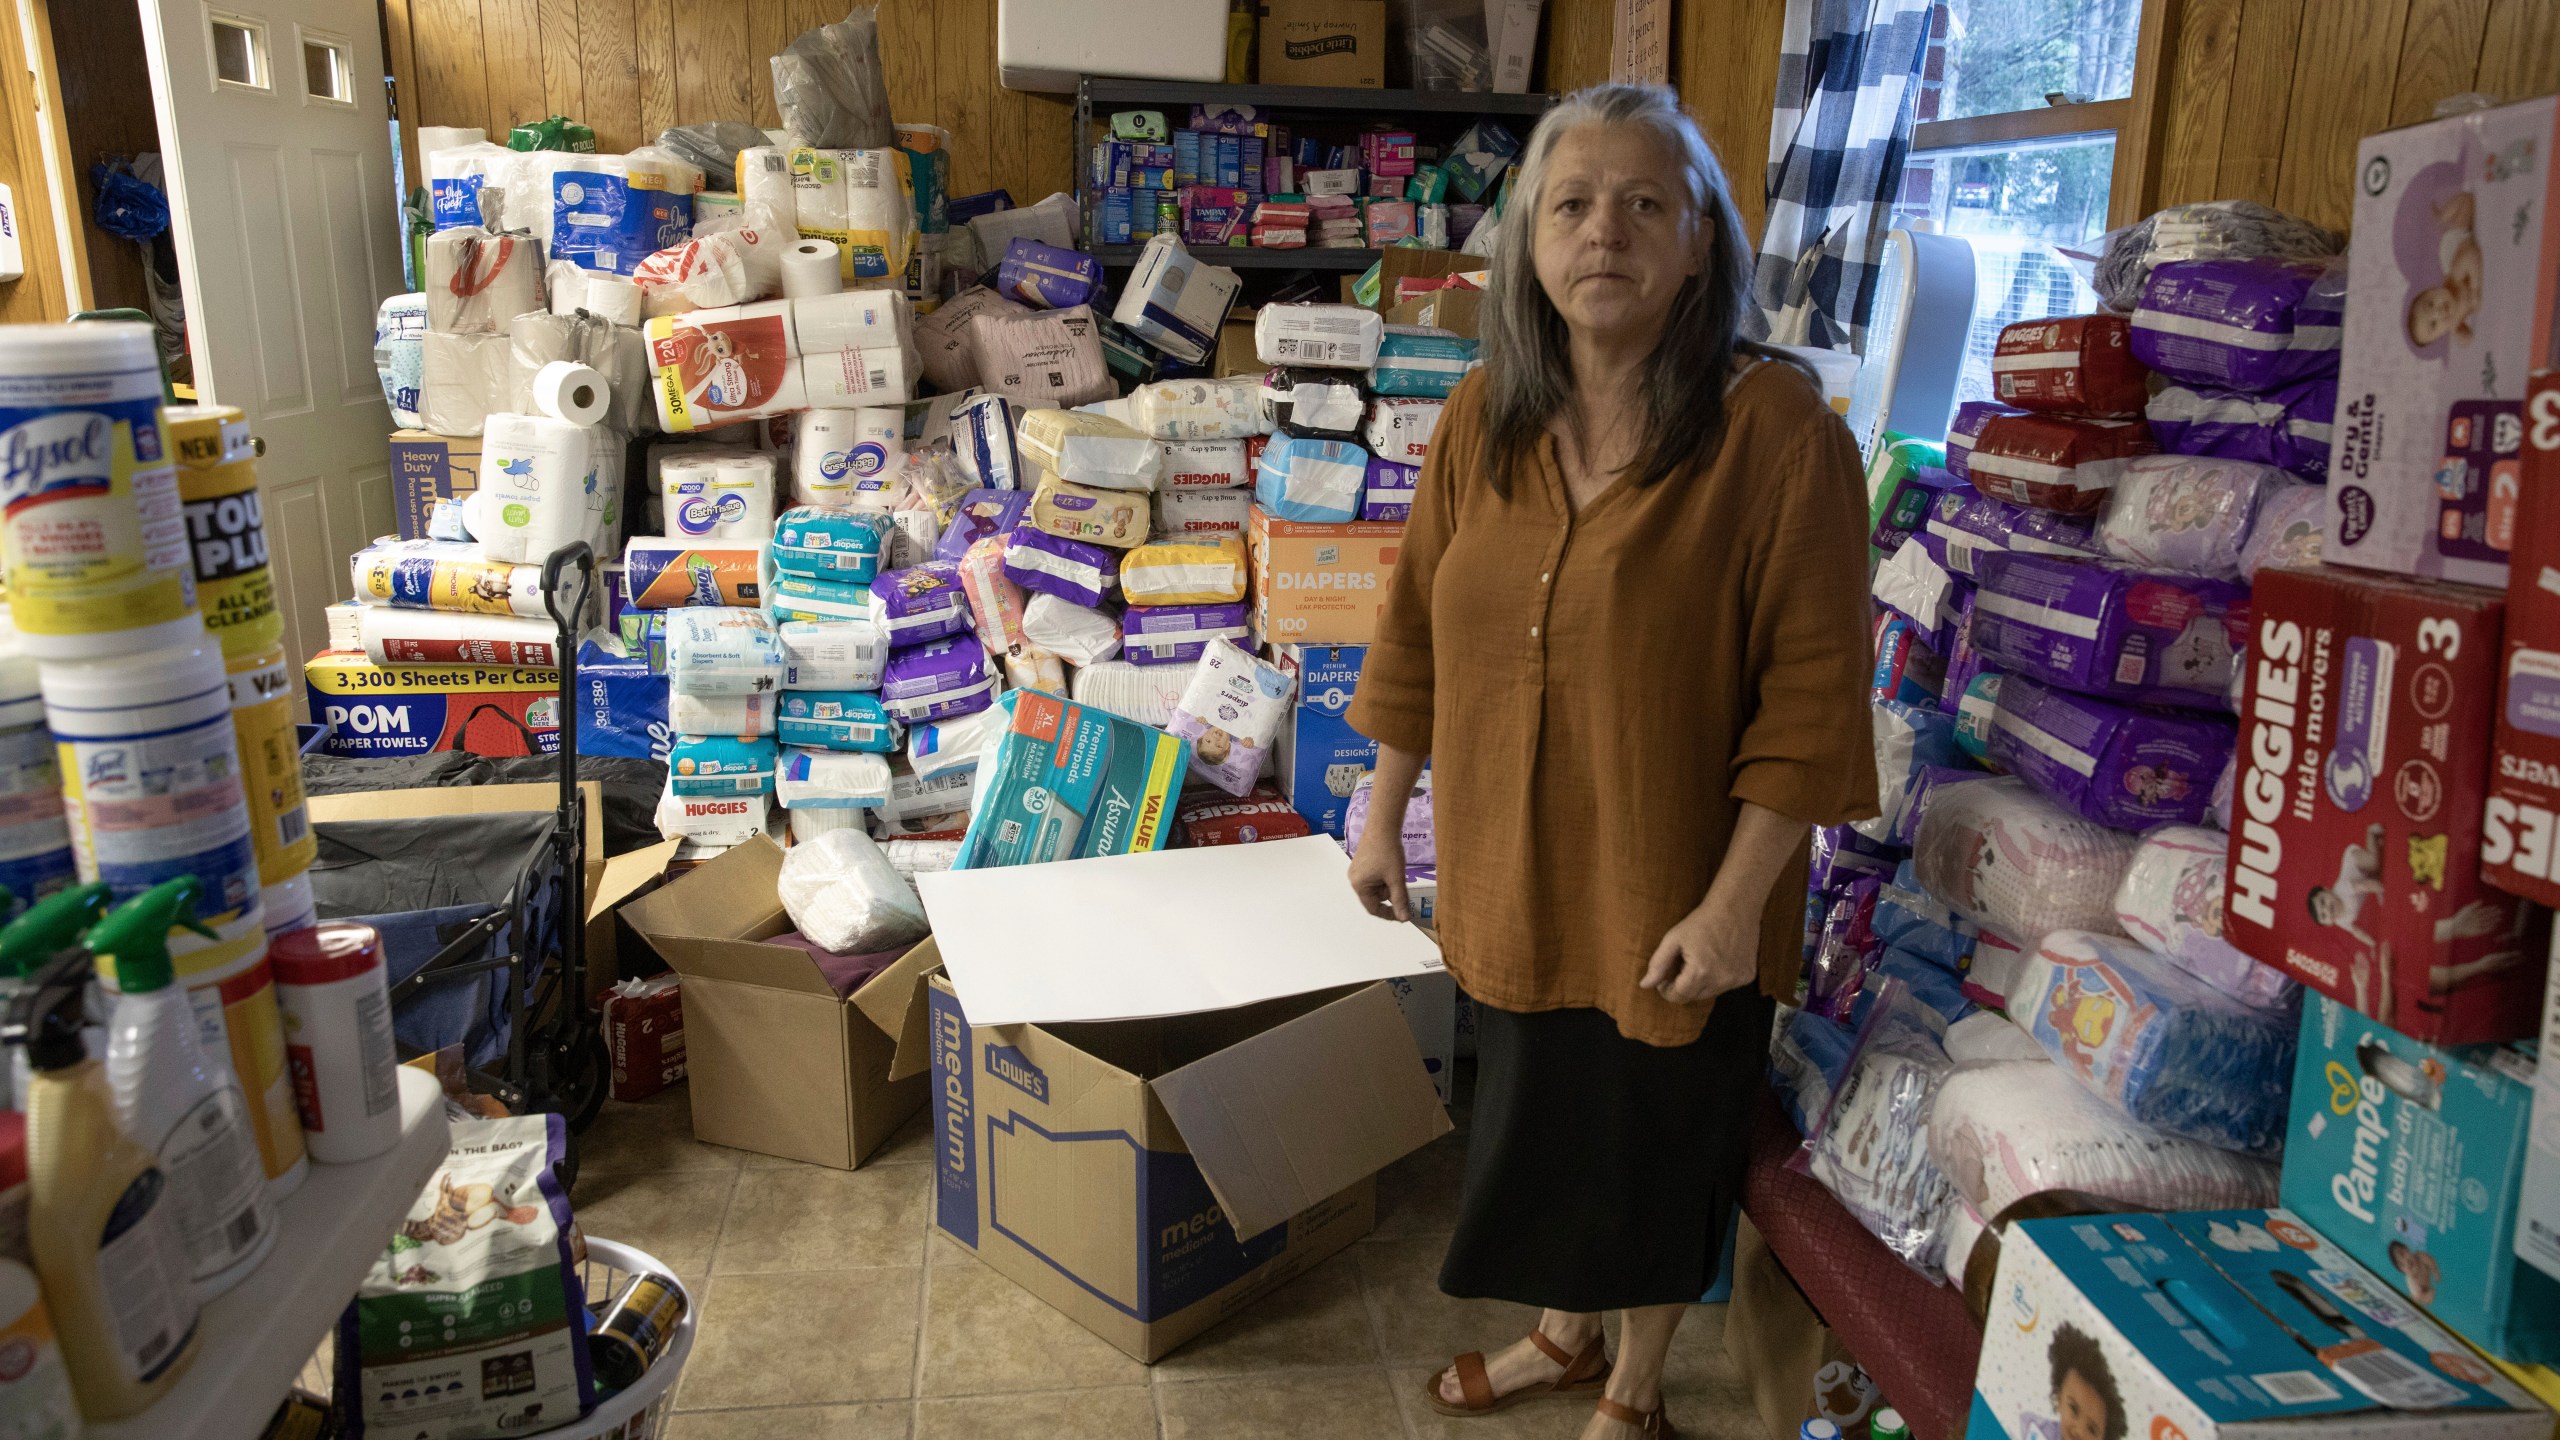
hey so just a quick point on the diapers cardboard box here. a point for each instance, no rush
(1319, 584)
(778, 1062)
(2219, 1323)
(1321, 757)
(425, 468)
(1429, 1004)
(2538, 1213)
(2520, 850)
(1325, 42)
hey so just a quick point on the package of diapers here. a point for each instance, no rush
(2241, 324)
(832, 654)
(2070, 365)
(1387, 494)
(745, 716)
(1203, 465)
(1906, 669)
(722, 652)
(1964, 430)
(1069, 569)
(830, 780)
(1908, 740)
(1177, 634)
(1420, 360)
(805, 597)
(980, 515)
(1301, 401)
(1202, 512)
(838, 720)
(937, 747)
(1910, 582)
(1227, 408)
(1116, 518)
(2187, 513)
(1977, 714)
(2003, 1131)
(995, 600)
(920, 604)
(714, 822)
(1076, 634)
(1207, 571)
(2290, 427)
(1342, 337)
(846, 897)
(1048, 277)
(1088, 449)
(1047, 357)
(845, 546)
(2107, 629)
(2287, 533)
(1144, 693)
(2158, 1044)
(2057, 462)
(720, 765)
(2111, 763)
(942, 336)
(982, 440)
(1028, 667)
(937, 680)
(1400, 427)
(2171, 900)
(1870, 1147)
(1964, 524)
(1231, 710)
(1313, 480)
(914, 798)
(2015, 863)
(1420, 847)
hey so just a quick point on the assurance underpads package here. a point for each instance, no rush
(919, 604)
(832, 654)
(1069, 569)
(1117, 518)
(1419, 360)
(2157, 1043)
(2189, 513)
(830, 780)
(938, 680)
(1306, 401)
(1400, 427)
(837, 720)
(1172, 634)
(980, 515)
(2108, 629)
(1093, 450)
(2003, 1130)
(1067, 781)
(2289, 427)
(1077, 634)
(1230, 712)
(2241, 324)
(722, 652)
(1964, 429)
(2287, 533)
(1043, 358)
(982, 439)
(1207, 571)
(1308, 479)
(2171, 900)
(720, 765)
(846, 897)
(803, 597)
(1337, 336)
(1421, 846)
(2057, 462)
(2112, 763)
(2014, 862)
(841, 545)
(2070, 365)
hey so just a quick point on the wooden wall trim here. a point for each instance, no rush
(2142, 138)
(43, 293)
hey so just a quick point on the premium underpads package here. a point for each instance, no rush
(980, 515)
(1313, 480)
(1230, 712)
(841, 545)
(920, 604)
(1227, 408)
(982, 440)
(2287, 533)
(1067, 781)
(937, 680)
(838, 720)
(720, 765)
(1144, 693)
(1964, 430)
(2159, 1044)
(2108, 629)
(1093, 450)
(832, 654)
(2241, 324)
(1400, 428)
(2289, 427)
(2002, 1131)
(1072, 570)
(1177, 634)
(1207, 571)
(1421, 847)
(2171, 900)
(1044, 358)
(722, 651)
(1077, 634)
(1117, 518)
(2015, 863)
(1340, 336)
(1419, 360)
(2057, 462)
(2070, 365)
(1306, 401)
(2112, 763)
(2192, 514)
(831, 780)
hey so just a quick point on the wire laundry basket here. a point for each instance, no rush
(641, 1411)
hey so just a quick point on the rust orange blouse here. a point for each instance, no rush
(1600, 692)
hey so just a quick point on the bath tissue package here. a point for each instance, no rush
(455, 175)
(610, 212)
(847, 457)
(462, 379)
(478, 280)
(718, 496)
(713, 367)
(854, 379)
(851, 320)
(616, 352)
(859, 200)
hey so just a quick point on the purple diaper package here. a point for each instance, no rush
(2288, 427)
(2287, 533)
(1901, 514)
(1421, 846)
(1963, 661)
(2241, 324)
(1049, 277)
(1963, 523)
(1842, 855)
(1388, 495)
(923, 602)
(2111, 763)
(2191, 514)
(980, 513)
(937, 681)
(1925, 784)
(1966, 427)
(2102, 628)
(1054, 565)
(1176, 634)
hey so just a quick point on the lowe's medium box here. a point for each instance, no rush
(2217, 1325)
(1321, 757)
(426, 468)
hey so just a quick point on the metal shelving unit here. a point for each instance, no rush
(1247, 257)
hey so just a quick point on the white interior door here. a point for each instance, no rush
(281, 190)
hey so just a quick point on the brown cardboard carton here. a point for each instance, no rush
(1325, 42)
(1320, 584)
(1458, 311)
(1404, 263)
(778, 1062)
(426, 468)
(1236, 355)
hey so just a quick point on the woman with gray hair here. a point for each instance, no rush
(1629, 631)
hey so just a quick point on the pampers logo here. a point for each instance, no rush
(2361, 1096)
(1316, 49)
(73, 447)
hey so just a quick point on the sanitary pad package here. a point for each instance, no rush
(2071, 365)
(2107, 629)
(2288, 427)
(937, 680)
(1207, 571)
(2057, 462)
(2187, 513)
(2112, 763)
(2241, 324)
(1067, 781)
(841, 545)
(1230, 712)
(1116, 518)
(832, 654)
(1171, 634)
(920, 604)
(2171, 900)
(1093, 450)
(1069, 569)
(1308, 479)
(2016, 863)
(838, 720)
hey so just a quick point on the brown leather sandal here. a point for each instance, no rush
(1654, 1424)
(1583, 1373)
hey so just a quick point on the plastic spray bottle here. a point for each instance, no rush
(1888, 1426)
(182, 1105)
(46, 929)
(100, 1218)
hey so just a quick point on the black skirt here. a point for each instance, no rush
(1602, 1171)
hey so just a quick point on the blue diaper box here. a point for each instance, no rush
(1321, 756)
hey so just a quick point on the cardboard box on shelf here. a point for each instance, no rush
(1459, 311)
(1325, 42)
(2520, 847)
(778, 1062)
(425, 468)
(2204, 1325)
(376, 711)
(1319, 584)
(1407, 263)
(1321, 757)
(2356, 819)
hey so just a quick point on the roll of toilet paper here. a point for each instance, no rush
(462, 379)
(810, 269)
(566, 390)
(614, 298)
(847, 457)
(537, 487)
(851, 320)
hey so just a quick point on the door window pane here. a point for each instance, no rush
(1988, 57)
(324, 70)
(239, 52)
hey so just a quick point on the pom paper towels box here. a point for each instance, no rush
(2424, 459)
(2356, 807)
(2219, 1323)
(377, 711)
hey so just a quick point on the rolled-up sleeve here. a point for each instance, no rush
(1393, 705)
(1808, 751)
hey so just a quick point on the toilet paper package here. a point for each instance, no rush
(1041, 358)
(1076, 634)
(745, 716)
(722, 651)
(1306, 401)
(1067, 781)
(2015, 863)
(764, 186)
(852, 320)
(858, 199)
(714, 367)
(608, 212)
(942, 338)
(1208, 571)
(1048, 277)
(1116, 518)
(1387, 494)
(718, 496)
(2186, 513)
(1203, 465)
(455, 176)
(937, 680)
(2290, 427)
(2241, 324)
(2055, 462)
(1964, 428)
(921, 603)
(1307, 479)
(399, 360)
(845, 546)
(2111, 763)
(462, 380)
(853, 379)
(1339, 336)
(805, 597)
(2287, 532)
(478, 280)
(538, 488)
(1400, 427)
(1202, 512)
(2107, 629)
(1047, 564)
(667, 573)
(703, 273)
(831, 780)
(720, 765)
(1230, 712)
(2171, 900)
(2071, 365)
(837, 720)
(615, 352)
(1154, 635)
(1198, 410)
(847, 457)
(982, 437)
(1092, 450)
(1419, 360)
(832, 654)
(980, 515)
(1175, 301)
(995, 598)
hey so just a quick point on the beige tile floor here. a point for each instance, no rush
(829, 1311)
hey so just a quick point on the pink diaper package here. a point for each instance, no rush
(2289, 427)
(2112, 763)
(2102, 628)
(995, 600)
(2241, 324)
(2014, 862)
(2171, 901)
(2287, 533)
(1230, 712)
(2054, 462)
(2192, 514)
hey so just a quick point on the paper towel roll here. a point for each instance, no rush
(809, 270)
(613, 298)
(852, 320)
(852, 379)
(537, 484)
(392, 636)
(462, 379)
(565, 390)
(477, 281)
(846, 457)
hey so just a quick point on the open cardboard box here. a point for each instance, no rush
(778, 1063)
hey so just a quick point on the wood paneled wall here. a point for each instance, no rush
(42, 293)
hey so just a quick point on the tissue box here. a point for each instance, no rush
(2520, 849)
(1319, 584)
(426, 468)
(2422, 469)
(376, 711)
(1325, 42)
(1321, 757)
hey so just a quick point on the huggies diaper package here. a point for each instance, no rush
(1203, 465)
(832, 654)
(1209, 571)
(920, 604)
(722, 652)
(2056, 462)
(1194, 513)
(1400, 427)
(1067, 781)
(1069, 569)
(1077, 634)
(841, 545)
(937, 680)
(720, 765)
(2071, 365)
(1176, 634)
(714, 822)
(2107, 629)
(838, 720)
(1230, 712)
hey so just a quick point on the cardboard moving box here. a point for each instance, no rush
(1325, 42)
(425, 468)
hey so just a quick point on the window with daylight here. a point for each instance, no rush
(2015, 150)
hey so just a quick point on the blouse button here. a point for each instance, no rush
(1533, 632)
(1545, 577)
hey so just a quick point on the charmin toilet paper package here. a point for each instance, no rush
(980, 515)
(1387, 495)
(1311, 402)
(1181, 513)
(938, 747)
(2187, 513)
(1228, 408)
(937, 680)
(1419, 360)
(1230, 712)
(720, 765)
(837, 720)
(1177, 634)
(718, 496)
(2106, 629)
(2111, 763)
(921, 603)
(1314, 480)
(722, 651)
(806, 597)
(1117, 518)
(712, 821)
(942, 337)
(2241, 324)
(462, 380)
(1964, 428)
(2291, 427)
(1203, 465)
(832, 654)
(831, 780)
(1175, 301)
(1067, 781)
(2171, 900)
(2015, 863)
(537, 488)
(2071, 365)
(2055, 462)
(841, 545)
(1090, 450)
(847, 457)
(982, 437)
(745, 716)
(714, 367)
(478, 280)
(399, 343)
(1208, 571)
(1044, 358)
(666, 573)
(1069, 569)
(1340, 336)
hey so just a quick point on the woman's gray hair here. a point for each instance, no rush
(1528, 363)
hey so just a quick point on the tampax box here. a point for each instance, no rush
(2219, 1323)
(2356, 808)
(2520, 848)
(1321, 757)
(1152, 1177)
(1324, 42)
(2448, 241)
(1320, 584)
(426, 468)
(374, 711)
(2411, 1157)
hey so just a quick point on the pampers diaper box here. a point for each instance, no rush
(2219, 1323)
(1321, 756)
(2428, 441)
(2357, 803)
(1317, 584)
(2411, 1157)
(374, 711)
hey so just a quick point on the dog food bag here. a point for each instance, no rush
(1116, 518)
(920, 604)
(1965, 428)
(2070, 365)
(938, 680)
(995, 600)
(2103, 628)
(2187, 513)
(844, 895)
(2112, 763)
(2287, 533)
(1044, 564)
(1310, 479)
(722, 651)
(831, 779)
(720, 765)
(1204, 465)
(483, 1268)
(714, 822)
(1177, 634)
(1230, 712)
(2171, 900)
(1047, 357)
(2290, 427)
(2054, 462)
(2015, 863)
(744, 716)
(1089, 449)
(838, 720)
(2241, 324)
(1388, 493)
(982, 439)
(1175, 411)
(832, 654)
(1206, 571)
(845, 546)
(979, 515)
(1076, 634)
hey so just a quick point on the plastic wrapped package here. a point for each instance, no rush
(829, 88)
(2158, 1044)
(1069, 569)
(2210, 230)
(1871, 1148)
(1305, 401)
(462, 381)
(2069, 365)
(1934, 989)
(1967, 520)
(1844, 949)
(937, 680)
(714, 822)
(980, 515)
(1041, 357)
(1420, 848)
(1077, 634)
(477, 280)
(958, 743)
(457, 174)
(920, 604)
(2241, 324)
(832, 654)
(1147, 694)
(1338, 336)
(1841, 854)
(2103, 628)
(1808, 1056)
(846, 896)
(616, 352)
(995, 599)
(804, 597)
(712, 147)
(722, 651)
(2171, 900)
(838, 720)
(1986, 1036)
(399, 360)
(1090, 450)
(1911, 582)
(2056, 462)
(703, 273)
(1048, 277)
(2115, 764)
(1199, 409)
(1910, 919)
(1964, 430)
(1231, 711)
(2009, 1129)
(744, 716)
(2190, 514)
(1028, 667)
(1303, 478)
(1978, 714)
(942, 337)
(2014, 862)
(720, 765)
(1209, 570)
(2290, 427)
(2288, 532)
(1909, 739)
